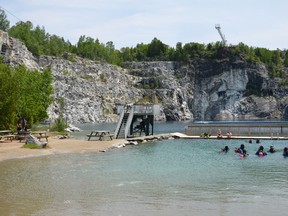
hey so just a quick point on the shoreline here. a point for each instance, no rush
(13, 150)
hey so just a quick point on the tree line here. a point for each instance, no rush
(39, 42)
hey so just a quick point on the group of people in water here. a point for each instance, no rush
(260, 152)
(243, 152)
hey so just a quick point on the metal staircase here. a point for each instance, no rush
(123, 126)
(135, 114)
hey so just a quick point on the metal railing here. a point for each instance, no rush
(138, 109)
(143, 109)
(250, 131)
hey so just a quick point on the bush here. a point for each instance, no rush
(59, 125)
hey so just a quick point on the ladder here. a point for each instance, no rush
(123, 125)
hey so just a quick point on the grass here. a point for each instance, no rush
(33, 146)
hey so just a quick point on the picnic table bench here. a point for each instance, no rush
(38, 134)
(6, 134)
(21, 135)
(101, 135)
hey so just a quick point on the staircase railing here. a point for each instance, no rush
(128, 123)
(119, 123)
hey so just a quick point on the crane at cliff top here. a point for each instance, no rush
(224, 41)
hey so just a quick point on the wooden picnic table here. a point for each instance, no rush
(100, 134)
(3, 132)
(22, 134)
(6, 134)
(40, 135)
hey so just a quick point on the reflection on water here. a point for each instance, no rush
(171, 177)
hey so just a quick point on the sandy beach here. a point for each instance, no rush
(14, 150)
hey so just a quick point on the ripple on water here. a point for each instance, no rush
(165, 178)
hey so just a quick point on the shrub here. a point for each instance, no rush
(59, 125)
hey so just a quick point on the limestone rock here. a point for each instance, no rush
(30, 139)
(89, 91)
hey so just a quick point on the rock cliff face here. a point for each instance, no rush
(238, 91)
(88, 91)
(15, 52)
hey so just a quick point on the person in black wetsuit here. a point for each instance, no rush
(271, 149)
(241, 150)
(285, 152)
(225, 149)
(260, 151)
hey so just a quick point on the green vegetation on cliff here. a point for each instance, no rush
(41, 43)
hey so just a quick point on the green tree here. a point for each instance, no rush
(276, 57)
(38, 41)
(178, 53)
(23, 94)
(194, 50)
(285, 58)
(34, 93)
(8, 93)
(157, 50)
(4, 22)
(23, 31)
(127, 54)
(141, 52)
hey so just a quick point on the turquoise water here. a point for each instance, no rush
(171, 177)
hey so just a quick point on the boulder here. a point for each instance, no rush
(30, 139)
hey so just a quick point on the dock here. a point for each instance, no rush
(178, 135)
(238, 131)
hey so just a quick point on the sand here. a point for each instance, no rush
(14, 150)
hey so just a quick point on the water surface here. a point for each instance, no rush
(171, 177)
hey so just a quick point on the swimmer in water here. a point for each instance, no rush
(285, 152)
(271, 149)
(225, 149)
(260, 151)
(241, 150)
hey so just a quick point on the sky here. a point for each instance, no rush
(256, 23)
